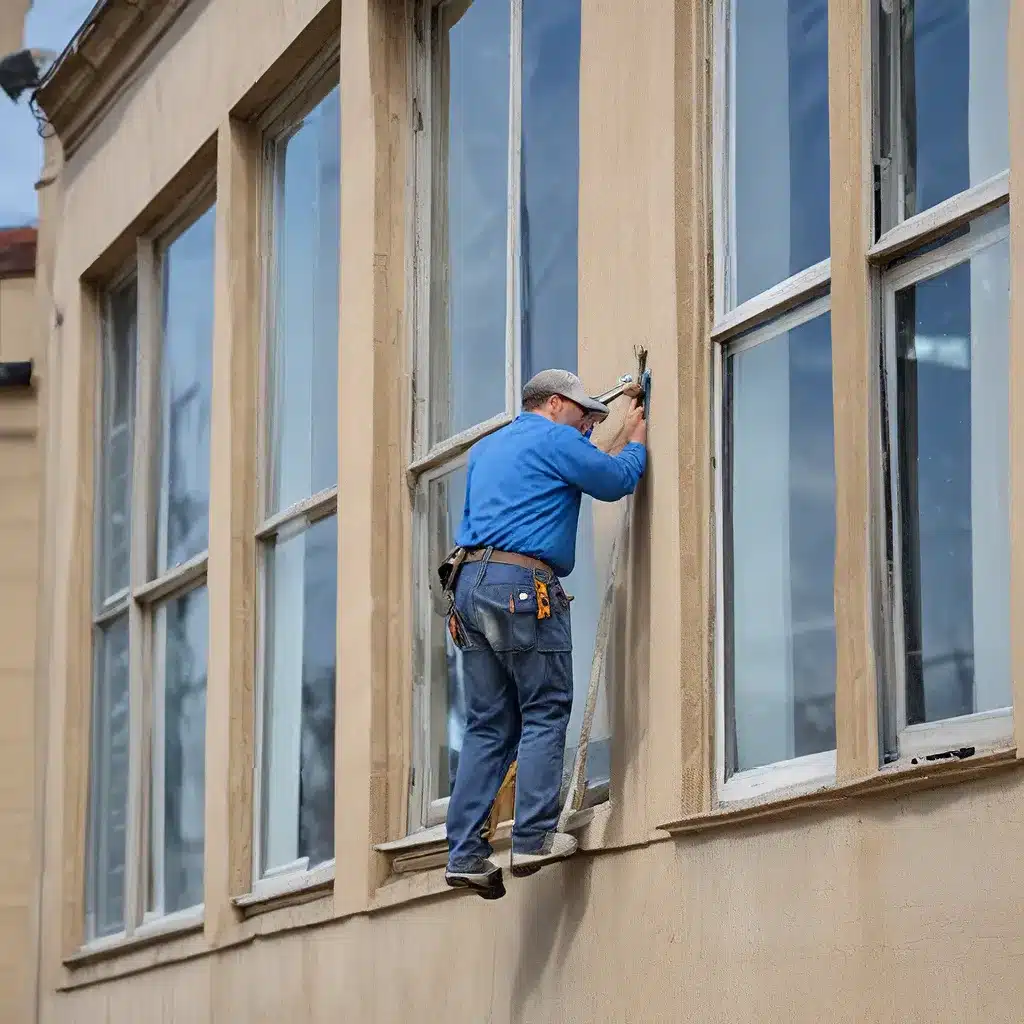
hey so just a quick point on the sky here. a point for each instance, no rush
(50, 25)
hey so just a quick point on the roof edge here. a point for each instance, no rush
(17, 252)
(98, 63)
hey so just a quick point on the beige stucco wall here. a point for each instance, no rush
(12, 24)
(881, 908)
(20, 481)
(903, 910)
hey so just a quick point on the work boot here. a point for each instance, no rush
(483, 878)
(557, 846)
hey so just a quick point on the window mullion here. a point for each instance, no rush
(513, 337)
(1015, 90)
(142, 515)
(854, 377)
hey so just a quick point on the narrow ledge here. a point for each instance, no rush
(148, 935)
(288, 891)
(890, 780)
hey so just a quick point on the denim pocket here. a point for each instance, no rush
(554, 634)
(506, 613)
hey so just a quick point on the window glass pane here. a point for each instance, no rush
(116, 439)
(185, 372)
(108, 785)
(298, 737)
(952, 352)
(446, 497)
(176, 864)
(549, 186)
(304, 341)
(469, 223)
(778, 126)
(779, 541)
(954, 111)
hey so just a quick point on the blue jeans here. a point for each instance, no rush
(518, 678)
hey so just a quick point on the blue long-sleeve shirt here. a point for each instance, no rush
(524, 486)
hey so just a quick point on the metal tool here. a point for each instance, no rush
(625, 382)
(638, 385)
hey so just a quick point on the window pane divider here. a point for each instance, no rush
(173, 580)
(799, 288)
(107, 615)
(942, 218)
(453, 447)
(1015, 98)
(314, 508)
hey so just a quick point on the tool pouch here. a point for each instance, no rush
(448, 575)
(448, 570)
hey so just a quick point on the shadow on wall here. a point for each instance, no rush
(557, 900)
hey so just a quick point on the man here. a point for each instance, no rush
(511, 616)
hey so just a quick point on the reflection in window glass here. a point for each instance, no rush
(108, 789)
(186, 373)
(116, 439)
(298, 733)
(179, 827)
(779, 546)
(304, 343)
(954, 111)
(549, 184)
(469, 268)
(778, 130)
(952, 351)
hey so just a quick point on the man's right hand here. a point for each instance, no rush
(635, 424)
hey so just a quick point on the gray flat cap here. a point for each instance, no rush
(566, 384)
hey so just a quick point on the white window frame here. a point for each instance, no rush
(982, 730)
(149, 588)
(791, 302)
(317, 80)
(811, 770)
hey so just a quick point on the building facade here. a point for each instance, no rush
(21, 468)
(298, 256)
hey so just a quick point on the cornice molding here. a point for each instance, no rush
(99, 62)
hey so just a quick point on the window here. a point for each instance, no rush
(942, 146)
(775, 472)
(496, 301)
(943, 114)
(772, 185)
(779, 547)
(297, 534)
(147, 767)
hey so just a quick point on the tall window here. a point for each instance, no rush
(147, 773)
(297, 534)
(775, 470)
(942, 146)
(497, 194)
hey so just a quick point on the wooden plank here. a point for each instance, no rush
(231, 572)
(853, 385)
(1015, 87)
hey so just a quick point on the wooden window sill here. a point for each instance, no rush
(904, 776)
